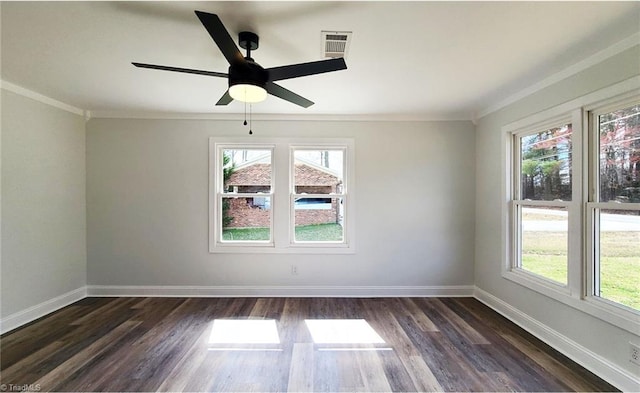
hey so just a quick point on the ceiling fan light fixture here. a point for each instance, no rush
(245, 92)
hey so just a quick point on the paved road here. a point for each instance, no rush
(608, 222)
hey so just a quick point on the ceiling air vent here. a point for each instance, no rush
(335, 43)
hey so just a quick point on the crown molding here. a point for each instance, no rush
(42, 98)
(150, 115)
(619, 47)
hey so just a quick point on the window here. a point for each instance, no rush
(245, 194)
(318, 195)
(571, 218)
(542, 202)
(281, 196)
(614, 204)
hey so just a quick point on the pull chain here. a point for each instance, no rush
(250, 119)
(245, 117)
(245, 114)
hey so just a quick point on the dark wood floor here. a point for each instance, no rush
(166, 344)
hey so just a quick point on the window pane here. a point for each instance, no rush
(246, 171)
(318, 171)
(544, 242)
(545, 165)
(246, 218)
(319, 219)
(619, 259)
(619, 153)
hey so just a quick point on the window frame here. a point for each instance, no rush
(578, 295)
(220, 194)
(293, 196)
(593, 204)
(281, 203)
(514, 269)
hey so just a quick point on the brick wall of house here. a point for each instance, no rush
(315, 189)
(256, 178)
(249, 189)
(309, 217)
(245, 215)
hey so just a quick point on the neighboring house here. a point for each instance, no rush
(254, 177)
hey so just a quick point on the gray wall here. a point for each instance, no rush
(590, 332)
(147, 193)
(43, 203)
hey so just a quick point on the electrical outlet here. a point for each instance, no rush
(634, 353)
(294, 270)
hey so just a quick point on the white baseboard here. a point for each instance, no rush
(23, 317)
(279, 291)
(576, 352)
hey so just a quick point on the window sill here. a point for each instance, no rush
(592, 305)
(537, 283)
(293, 249)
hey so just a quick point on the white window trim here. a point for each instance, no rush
(219, 195)
(345, 195)
(579, 286)
(591, 195)
(574, 246)
(282, 240)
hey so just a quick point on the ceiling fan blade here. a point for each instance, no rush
(221, 36)
(304, 69)
(177, 69)
(287, 95)
(225, 99)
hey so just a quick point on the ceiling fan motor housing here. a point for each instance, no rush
(249, 73)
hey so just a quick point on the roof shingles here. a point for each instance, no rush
(260, 175)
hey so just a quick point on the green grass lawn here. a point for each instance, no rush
(544, 253)
(245, 234)
(318, 232)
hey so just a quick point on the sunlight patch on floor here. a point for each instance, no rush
(342, 331)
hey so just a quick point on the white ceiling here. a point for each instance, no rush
(438, 60)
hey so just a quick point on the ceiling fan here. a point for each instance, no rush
(248, 80)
